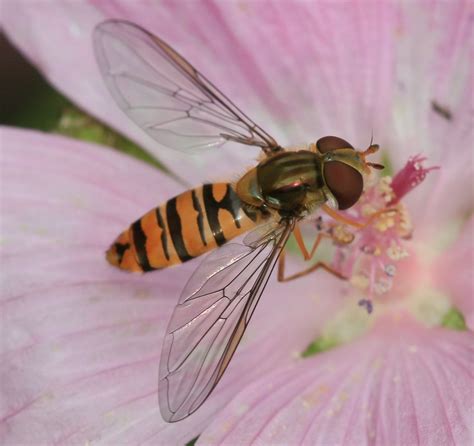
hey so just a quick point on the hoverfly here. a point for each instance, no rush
(178, 107)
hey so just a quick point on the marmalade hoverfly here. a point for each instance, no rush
(178, 107)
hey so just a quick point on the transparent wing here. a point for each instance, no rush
(210, 319)
(166, 96)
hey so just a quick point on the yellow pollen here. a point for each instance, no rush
(343, 396)
(384, 222)
(396, 252)
(377, 364)
(368, 210)
(360, 281)
(404, 226)
(385, 188)
(342, 235)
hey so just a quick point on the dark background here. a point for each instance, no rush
(26, 99)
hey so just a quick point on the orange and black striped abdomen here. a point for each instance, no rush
(185, 227)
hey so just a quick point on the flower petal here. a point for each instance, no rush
(81, 340)
(77, 332)
(453, 272)
(320, 68)
(401, 384)
(68, 43)
(432, 107)
(382, 68)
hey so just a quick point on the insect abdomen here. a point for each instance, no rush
(185, 227)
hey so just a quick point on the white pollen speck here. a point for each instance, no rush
(110, 416)
(74, 30)
(343, 396)
(412, 348)
(46, 398)
(377, 363)
(242, 409)
(390, 270)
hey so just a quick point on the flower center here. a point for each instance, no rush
(386, 268)
(370, 261)
(382, 253)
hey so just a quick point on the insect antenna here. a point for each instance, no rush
(369, 151)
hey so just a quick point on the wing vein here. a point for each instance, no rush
(134, 62)
(191, 379)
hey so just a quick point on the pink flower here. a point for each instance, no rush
(81, 340)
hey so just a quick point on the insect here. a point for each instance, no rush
(178, 107)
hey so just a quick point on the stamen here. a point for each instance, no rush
(370, 260)
(390, 270)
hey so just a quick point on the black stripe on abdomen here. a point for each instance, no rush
(163, 238)
(230, 202)
(200, 217)
(139, 242)
(175, 228)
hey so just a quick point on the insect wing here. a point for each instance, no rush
(210, 319)
(166, 96)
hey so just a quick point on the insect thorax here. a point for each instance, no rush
(290, 183)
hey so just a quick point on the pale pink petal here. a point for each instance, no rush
(432, 106)
(453, 272)
(81, 340)
(301, 70)
(401, 384)
(315, 67)
(77, 333)
(64, 54)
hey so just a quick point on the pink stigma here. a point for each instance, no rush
(368, 256)
(409, 177)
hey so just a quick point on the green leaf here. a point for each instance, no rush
(192, 442)
(33, 103)
(454, 320)
(319, 345)
(387, 163)
(77, 124)
(40, 109)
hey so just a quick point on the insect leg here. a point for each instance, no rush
(300, 242)
(312, 268)
(351, 222)
(307, 256)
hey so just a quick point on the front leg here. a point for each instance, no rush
(312, 268)
(307, 255)
(351, 222)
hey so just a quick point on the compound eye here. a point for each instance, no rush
(328, 143)
(345, 182)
